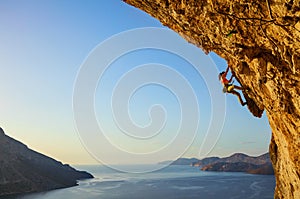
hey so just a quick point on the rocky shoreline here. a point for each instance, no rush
(23, 170)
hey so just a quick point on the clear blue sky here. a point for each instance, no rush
(43, 45)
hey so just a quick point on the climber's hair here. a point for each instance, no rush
(220, 75)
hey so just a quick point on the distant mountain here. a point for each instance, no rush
(240, 157)
(205, 161)
(180, 161)
(23, 170)
(239, 162)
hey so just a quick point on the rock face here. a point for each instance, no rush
(23, 170)
(261, 42)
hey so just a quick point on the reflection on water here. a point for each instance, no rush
(172, 182)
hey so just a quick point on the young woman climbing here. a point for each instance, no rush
(228, 86)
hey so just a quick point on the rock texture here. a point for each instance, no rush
(261, 42)
(23, 170)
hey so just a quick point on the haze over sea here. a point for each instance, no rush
(174, 181)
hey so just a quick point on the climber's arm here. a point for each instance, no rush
(227, 69)
(230, 80)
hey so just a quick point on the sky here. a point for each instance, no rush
(150, 103)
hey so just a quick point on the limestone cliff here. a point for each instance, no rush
(23, 170)
(261, 42)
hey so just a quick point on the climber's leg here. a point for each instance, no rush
(238, 87)
(239, 97)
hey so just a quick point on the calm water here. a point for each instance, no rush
(172, 182)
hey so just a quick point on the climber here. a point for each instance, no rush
(229, 87)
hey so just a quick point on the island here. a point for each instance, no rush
(237, 162)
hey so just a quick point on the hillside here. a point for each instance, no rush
(237, 157)
(238, 162)
(180, 161)
(23, 170)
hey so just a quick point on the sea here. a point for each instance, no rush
(171, 182)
